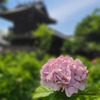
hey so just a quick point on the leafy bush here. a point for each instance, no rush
(19, 75)
(43, 40)
(86, 40)
(87, 33)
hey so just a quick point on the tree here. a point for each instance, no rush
(89, 28)
(86, 40)
(87, 34)
(43, 39)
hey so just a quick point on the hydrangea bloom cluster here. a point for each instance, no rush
(64, 73)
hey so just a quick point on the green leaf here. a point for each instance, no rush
(90, 91)
(58, 95)
(42, 91)
(49, 94)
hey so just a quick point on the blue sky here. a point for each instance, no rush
(67, 13)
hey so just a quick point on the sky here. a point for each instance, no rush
(68, 13)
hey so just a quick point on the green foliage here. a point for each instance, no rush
(86, 40)
(42, 91)
(89, 28)
(43, 39)
(95, 73)
(49, 94)
(42, 31)
(67, 46)
(19, 76)
(88, 33)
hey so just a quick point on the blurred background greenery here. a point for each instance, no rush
(19, 70)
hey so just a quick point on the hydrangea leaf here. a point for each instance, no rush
(42, 91)
(61, 96)
(93, 91)
(49, 94)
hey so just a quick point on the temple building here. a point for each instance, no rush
(26, 18)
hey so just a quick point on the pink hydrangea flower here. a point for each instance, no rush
(64, 73)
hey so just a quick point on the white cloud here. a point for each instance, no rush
(68, 9)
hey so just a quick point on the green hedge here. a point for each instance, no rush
(19, 74)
